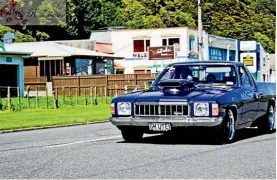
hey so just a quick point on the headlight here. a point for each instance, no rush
(123, 108)
(201, 109)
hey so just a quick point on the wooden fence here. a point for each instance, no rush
(109, 85)
(35, 82)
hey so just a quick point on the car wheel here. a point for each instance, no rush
(267, 125)
(131, 134)
(227, 131)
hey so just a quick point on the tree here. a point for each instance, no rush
(83, 16)
(243, 20)
(20, 36)
(157, 13)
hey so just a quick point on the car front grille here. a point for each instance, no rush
(162, 109)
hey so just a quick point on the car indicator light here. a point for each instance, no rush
(215, 110)
(112, 109)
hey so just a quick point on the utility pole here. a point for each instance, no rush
(200, 39)
(200, 29)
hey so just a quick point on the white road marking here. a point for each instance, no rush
(86, 141)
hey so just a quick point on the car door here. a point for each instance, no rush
(262, 102)
(248, 95)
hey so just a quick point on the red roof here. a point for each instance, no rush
(104, 47)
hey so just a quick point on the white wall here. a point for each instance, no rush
(265, 70)
(122, 41)
(273, 77)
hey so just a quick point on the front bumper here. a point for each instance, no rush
(175, 122)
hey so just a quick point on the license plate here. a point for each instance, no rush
(159, 126)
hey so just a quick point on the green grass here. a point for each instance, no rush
(42, 102)
(28, 118)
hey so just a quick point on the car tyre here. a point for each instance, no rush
(267, 124)
(131, 134)
(227, 131)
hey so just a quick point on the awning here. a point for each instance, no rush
(171, 35)
(50, 58)
(141, 37)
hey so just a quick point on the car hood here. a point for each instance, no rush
(198, 94)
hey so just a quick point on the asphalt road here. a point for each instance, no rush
(98, 151)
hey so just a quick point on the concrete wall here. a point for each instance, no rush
(83, 44)
(264, 64)
(16, 60)
(101, 36)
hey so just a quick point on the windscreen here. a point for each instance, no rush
(202, 74)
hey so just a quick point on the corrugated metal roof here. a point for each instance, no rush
(51, 49)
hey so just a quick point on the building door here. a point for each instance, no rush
(9, 72)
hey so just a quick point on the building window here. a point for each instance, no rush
(217, 54)
(141, 45)
(84, 67)
(191, 43)
(164, 42)
(264, 61)
(232, 55)
(99, 67)
(172, 42)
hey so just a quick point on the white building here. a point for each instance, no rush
(258, 61)
(272, 71)
(133, 45)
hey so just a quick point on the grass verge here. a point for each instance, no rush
(43, 102)
(32, 118)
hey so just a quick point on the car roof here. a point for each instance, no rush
(209, 62)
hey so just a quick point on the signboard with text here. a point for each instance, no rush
(248, 45)
(161, 53)
(249, 60)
